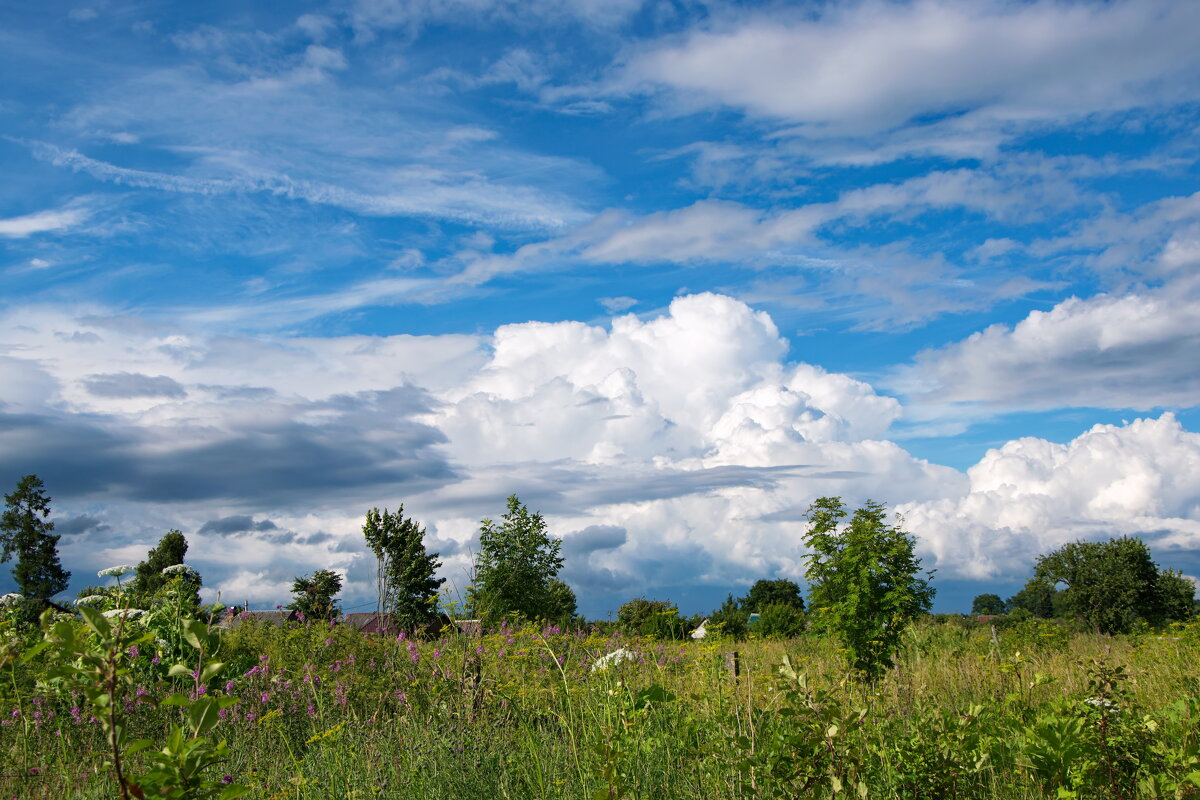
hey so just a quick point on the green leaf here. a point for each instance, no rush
(180, 669)
(138, 746)
(203, 715)
(210, 670)
(177, 699)
(33, 652)
(96, 621)
(195, 633)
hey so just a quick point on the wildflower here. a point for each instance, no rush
(116, 572)
(11, 597)
(1103, 704)
(180, 568)
(133, 651)
(90, 600)
(229, 687)
(226, 779)
(131, 613)
(615, 658)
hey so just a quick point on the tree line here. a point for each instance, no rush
(865, 581)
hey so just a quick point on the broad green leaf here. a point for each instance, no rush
(203, 715)
(210, 670)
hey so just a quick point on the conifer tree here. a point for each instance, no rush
(26, 532)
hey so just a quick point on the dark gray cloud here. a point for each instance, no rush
(82, 524)
(592, 538)
(239, 523)
(133, 384)
(359, 445)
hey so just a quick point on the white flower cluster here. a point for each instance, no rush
(131, 613)
(1103, 704)
(11, 597)
(613, 659)
(90, 600)
(117, 571)
(181, 568)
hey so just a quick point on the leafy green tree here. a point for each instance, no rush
(1113, 585)
(149, 579)
(864, 581)
(1178, 595)
(987, 604)
(731, 619)
(660, 618)
(314, 595)
(768, 592)
(562, 607)
(1037, 597)
(26, 533)
(406, 586)
(780, 621)
(517, 560)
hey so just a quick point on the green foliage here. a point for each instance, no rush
(658, 618)
(1037, 598)
(864, 584)
(987, 604)
(149, 578)
(731, 619)
(780, 621)
(406, 586)
(92, 661)
(1114, 585)
(561, 605)
(26, 532)
(314, 595)
(769, 592)
(517, 561)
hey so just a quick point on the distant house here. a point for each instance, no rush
(369, 622)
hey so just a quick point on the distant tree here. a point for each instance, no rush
(1037, 597)
(517, 561)
(406, 586)
(987, 604)
(314, 595)
(1113, 585)
(767, 592)
(149, 579)
(780, 621)
(864, 579)
(26, 532)
(561, 606)
(1178, 595)
(731, 619)
(659, 618)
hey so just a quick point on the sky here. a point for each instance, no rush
(667, 271)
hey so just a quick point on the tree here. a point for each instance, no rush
(660, 618)
(1038, 598)
(769, 592)
(780, 621)
(987, 604)
(561, 607)
(25, 532)
(149, 578)
(406, 586)
(731, 619)
(517, 561)
(1113, 585)
(314, 595)
(864, 583)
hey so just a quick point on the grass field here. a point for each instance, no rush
(327, 712)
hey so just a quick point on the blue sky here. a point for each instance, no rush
(666, 271)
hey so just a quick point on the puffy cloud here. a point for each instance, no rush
(1031, 496)
(680, 449)
(1138, 350)
(877, 65)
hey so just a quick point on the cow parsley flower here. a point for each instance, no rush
(11, 597)
(131, 613)
(182, 568)
(90, 600)
(117, 571)
(613, 659)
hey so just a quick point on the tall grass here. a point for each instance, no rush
(327, 712)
